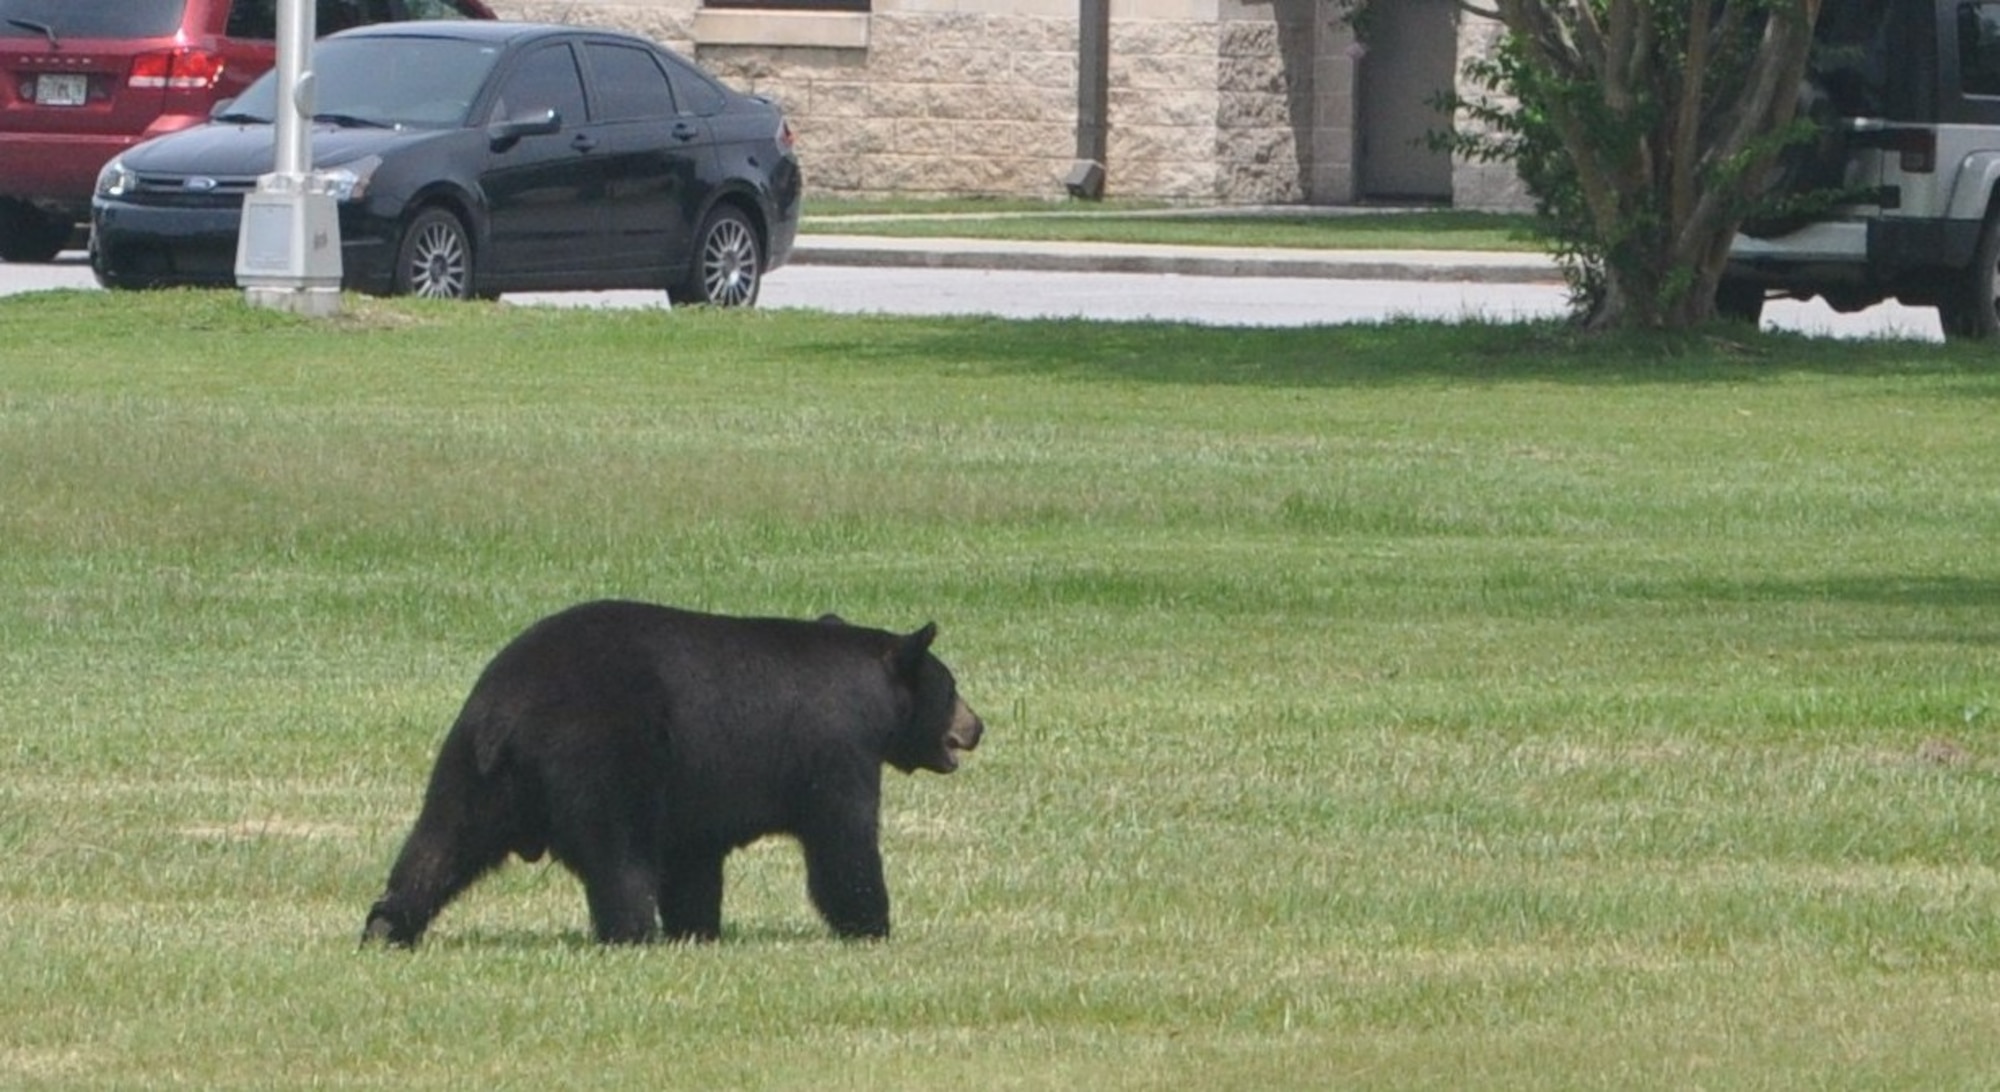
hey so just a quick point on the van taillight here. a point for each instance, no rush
(176, 70)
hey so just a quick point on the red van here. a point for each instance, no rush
(83, 80)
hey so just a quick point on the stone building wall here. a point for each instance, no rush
(1231, 101)
(952, 103)
(1475, 185)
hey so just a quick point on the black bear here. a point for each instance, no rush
(639, 744)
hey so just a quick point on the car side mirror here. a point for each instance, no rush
(503, 135)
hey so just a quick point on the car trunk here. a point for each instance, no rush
(74, 68)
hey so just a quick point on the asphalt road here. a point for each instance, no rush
(1209, 300)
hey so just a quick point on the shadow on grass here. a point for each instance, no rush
(1973, 602)
(1407, 352)
(580, 939)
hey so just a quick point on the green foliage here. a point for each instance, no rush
(1643, 150)
(1395, 706)
(1509, 123)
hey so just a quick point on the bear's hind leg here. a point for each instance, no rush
(691, 895)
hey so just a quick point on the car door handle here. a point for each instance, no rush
(583, 142)
(684, 132)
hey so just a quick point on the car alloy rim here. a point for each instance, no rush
(437, 263)
(729, 263)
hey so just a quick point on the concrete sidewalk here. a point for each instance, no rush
(1194, 261)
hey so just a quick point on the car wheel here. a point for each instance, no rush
(1739, 301)
(434, 260)
(729, 267)
(1972, 311)
(29, 235)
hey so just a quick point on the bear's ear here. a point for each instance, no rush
(908, 654)
(832, 620)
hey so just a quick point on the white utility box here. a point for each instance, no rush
(288, 250)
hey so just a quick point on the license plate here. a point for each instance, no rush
(53, 89)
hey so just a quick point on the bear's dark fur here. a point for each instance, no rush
(640, 744)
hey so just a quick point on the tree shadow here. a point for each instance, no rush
(1971, 604)
(1417, 352)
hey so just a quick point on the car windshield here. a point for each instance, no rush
(394, 82)
(72, 19)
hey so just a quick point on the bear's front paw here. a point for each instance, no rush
(385, 927)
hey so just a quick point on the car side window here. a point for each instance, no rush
(697, 94)
(1979, 48)
(627, 83)
(546, 79)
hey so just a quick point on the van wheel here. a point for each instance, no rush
(1972, 311)
(29, 235)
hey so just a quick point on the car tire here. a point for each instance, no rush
(728, 262)
(29, 235)
(1972, 311)
(1739, 301)
(434, 260)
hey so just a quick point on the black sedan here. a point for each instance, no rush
(470, 159)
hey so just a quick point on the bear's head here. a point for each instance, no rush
(938, 725)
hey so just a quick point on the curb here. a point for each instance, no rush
(1373, 265)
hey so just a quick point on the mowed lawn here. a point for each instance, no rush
(1371, 707)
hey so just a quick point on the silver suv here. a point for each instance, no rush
(1907, 96)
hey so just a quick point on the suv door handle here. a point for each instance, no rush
(583, 142)
(685, 132)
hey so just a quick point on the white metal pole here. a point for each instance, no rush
(295, 108)
(288, 248)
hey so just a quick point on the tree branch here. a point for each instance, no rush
(1687, 119)
(1768, 103)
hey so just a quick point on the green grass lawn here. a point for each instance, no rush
(1444, 229)
(1368, 707)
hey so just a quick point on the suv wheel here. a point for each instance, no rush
(29, 235)
(1972, 311)
(1806, 167)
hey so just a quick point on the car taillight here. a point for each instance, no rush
(785, 138)
(176, 70)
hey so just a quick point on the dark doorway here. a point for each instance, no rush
(1411, 59)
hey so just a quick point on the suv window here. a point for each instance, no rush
(1979, 48)
(259, 18)
(430, 9)
(70, 19)
(1850, 56)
